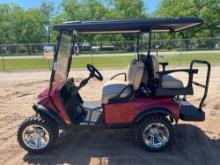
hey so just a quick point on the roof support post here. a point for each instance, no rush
(149, 42)
(73, 40)
(137, 45)
(54, 67)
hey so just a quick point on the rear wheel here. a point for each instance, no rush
(154, 133)
(38, 133)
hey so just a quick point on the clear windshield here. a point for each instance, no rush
(62, 58)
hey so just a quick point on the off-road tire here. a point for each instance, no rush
(139, 128)
(45, 121)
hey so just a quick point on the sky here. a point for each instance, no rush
(151, 4)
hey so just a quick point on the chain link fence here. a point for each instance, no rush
(107, 48)
(117, 47)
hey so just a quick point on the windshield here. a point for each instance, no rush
(62, 58)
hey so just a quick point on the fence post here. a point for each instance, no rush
(157, 47)
(3, 59)
(181, 42)
(48, 63)
(92, 57)
(17, 49)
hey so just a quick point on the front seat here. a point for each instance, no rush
(115, 91)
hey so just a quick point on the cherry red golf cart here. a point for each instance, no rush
(147, 100)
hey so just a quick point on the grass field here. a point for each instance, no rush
(102, 62)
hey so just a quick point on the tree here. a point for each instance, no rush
(21, 26)
(33, 26)
(10, 14)
(128, 9)
(47, 8)
(74, 10)
(206, 9)
(210, 12)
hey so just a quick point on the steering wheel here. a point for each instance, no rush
(94, 72)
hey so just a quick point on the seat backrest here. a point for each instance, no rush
(155, 65)
(135, 73)
(151, 67)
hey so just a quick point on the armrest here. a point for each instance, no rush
(119, 75)
(164, 64)
(189, 71)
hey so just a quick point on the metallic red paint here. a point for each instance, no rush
(124, 113)
(54, 102)
(118, 113)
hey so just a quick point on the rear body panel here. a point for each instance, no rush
(125, 113)
(189, 112)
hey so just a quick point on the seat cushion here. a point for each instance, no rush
(171, 82)
(113, 88)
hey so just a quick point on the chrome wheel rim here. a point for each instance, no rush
(35, 137)
(156, 135)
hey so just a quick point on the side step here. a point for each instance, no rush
(191, 113)
(94, 113)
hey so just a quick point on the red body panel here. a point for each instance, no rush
(124, 113)
(118, 113)
(54, 101)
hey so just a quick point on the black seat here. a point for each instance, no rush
(160, 82)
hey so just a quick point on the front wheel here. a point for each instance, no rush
(38, 133)
(154, 133)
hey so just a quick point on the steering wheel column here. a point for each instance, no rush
(93, 73)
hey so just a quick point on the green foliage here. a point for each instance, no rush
(32, 29)
(18, 25)
(128, 9)
(74, 10)
(209, 10)
(10, 18)
(47, 9)
(21, 26)
(24, 26)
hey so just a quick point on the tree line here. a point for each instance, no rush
(34, 25)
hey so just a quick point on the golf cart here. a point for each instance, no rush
(148, 100)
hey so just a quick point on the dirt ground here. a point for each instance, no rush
(195, 143)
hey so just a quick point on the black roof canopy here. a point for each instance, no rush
(130, 26)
